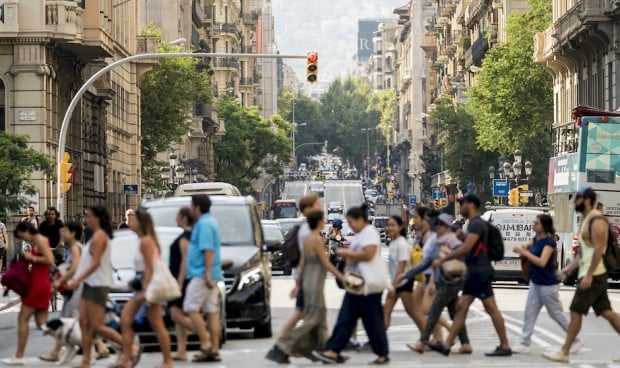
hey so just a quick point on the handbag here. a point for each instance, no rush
(416, 256)
(525, 268)
(163, 286)
(375, 274)
(453, 269)
(60, 271)
(354, 283)
(17, 277)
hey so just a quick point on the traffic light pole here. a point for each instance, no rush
(64, 128)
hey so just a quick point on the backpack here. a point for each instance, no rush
(495, 243)
(611, 257)
(290, 248)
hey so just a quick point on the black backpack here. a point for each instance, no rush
(611, 257)
(495, 243)
(290, 248)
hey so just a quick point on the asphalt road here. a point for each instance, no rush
(347, 192)
(242, 350)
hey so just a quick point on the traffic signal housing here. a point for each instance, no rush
(513, 197)
(65, 173)
(523, 199)
(312, 67)
(443, 202)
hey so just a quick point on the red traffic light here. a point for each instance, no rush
(313, 57)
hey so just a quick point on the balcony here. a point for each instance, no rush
(249, 17)
(208, 14)
(63, 19)
(479, 49)
(448, 7)
(198, 15)
(475, 10)
(226, 64)
(460, 11)
(225, 29)
(246, 82)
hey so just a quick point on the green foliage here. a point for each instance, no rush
(456, 138)
(250, 145)
(168, 95)
(307, 111)
(513, 97)
(385, 102)
(17, 162)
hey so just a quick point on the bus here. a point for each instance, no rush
(285, 208)
(594, 162)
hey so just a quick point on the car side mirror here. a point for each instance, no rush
(272, 246)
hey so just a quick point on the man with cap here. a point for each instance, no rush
(478, 282)
(592, 288)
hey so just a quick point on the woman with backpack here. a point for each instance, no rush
(541, 255)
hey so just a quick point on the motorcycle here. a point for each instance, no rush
(334, 244)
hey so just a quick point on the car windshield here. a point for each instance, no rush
(234, 221)
(125, 247)
(334, 204)
(272, 233)
(381, 222)
(288, 225)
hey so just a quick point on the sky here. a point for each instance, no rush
(326, 26)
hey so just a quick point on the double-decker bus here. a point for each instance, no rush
(285, 208)
(595, 163)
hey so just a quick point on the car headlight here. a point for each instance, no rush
(249, 277)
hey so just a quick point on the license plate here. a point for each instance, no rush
(508, 263)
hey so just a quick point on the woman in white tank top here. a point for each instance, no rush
(95, 272)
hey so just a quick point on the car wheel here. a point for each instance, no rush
(263, 330)
(288, 271)
(223, 335)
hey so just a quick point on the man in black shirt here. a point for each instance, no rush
(478, 280)
(51, 229)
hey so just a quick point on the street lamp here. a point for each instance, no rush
(295, 125)
(173, 174)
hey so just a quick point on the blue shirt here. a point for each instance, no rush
(205, 237)
(544, 275)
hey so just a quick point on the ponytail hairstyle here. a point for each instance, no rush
(360, 212)
(400, 222)
(105, 223)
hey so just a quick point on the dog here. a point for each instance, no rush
(68, 331)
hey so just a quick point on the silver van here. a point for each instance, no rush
(213, 188)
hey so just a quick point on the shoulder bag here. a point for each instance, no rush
(17, 277)
(374, 274)
(163, 286)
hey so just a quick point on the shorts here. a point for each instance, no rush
(406, 287)
(179, 302)
(479, 285)
(2, 253)
(595, 297)
(299, 300)
(95, 294)
(198, 297)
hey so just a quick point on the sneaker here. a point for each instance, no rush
(13, 361)
(577, 345)
(352, 345)
(277, 355)
(557, 356)
(366, 348)
(499, 351)
(523, 349)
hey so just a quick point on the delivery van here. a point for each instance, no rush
(517, 226)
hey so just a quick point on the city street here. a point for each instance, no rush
(241, 350)
(349, 193)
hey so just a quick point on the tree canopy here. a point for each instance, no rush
(17, 163)
(251, 146)
(168, 95)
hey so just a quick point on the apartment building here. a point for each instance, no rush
(48, 49)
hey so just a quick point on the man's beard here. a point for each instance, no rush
(580, 207)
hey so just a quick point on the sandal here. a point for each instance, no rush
(103, 355)
(203, 356)
(418, 347)
(179, 358)
(49, 357)
(380, 361)
(464, 351)
(136, 359)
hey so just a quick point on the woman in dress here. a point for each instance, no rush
(399, 256)
(312, 334)
(178, 268)
(36, 301)
(142, 224)
(368, 307)
(95, 277)
(541, 254)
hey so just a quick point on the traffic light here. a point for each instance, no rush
(65, 173)
(443, 202)
(435, 203)
(513, 197)
(312, 67)
(523, 199)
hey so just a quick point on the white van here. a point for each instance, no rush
(211, 188)
(517, 226)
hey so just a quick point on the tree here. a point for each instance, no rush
(251, 146)
(384, 101)
(513, 97)
(17, 163)
(307, 111)
(168, 95)
(462, 156)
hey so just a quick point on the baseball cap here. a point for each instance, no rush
(587, 192)
(470, 198)
(445, 219)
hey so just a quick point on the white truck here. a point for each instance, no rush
(388, 210)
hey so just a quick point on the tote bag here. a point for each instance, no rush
(375, 274)
(17, 277)
(163, 286)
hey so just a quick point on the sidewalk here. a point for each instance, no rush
(8, 301)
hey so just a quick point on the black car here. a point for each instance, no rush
(245, 254)
(274, 237)
(335, 207)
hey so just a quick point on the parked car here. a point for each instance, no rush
(247, 274)
(371, 195)
(125, 247)
(275, 238)
(335, 207)
(288, 223)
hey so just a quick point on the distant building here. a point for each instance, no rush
(365, 33)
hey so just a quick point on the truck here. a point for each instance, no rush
(388, 210)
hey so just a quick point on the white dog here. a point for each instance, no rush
(66, 330)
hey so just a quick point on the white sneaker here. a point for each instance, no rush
(557, 356)
(13, 361)
(522, 349)
(577, 345)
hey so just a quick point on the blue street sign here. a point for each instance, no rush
(436, 194)
(501, 187)
(130, 189)
(413, 200)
